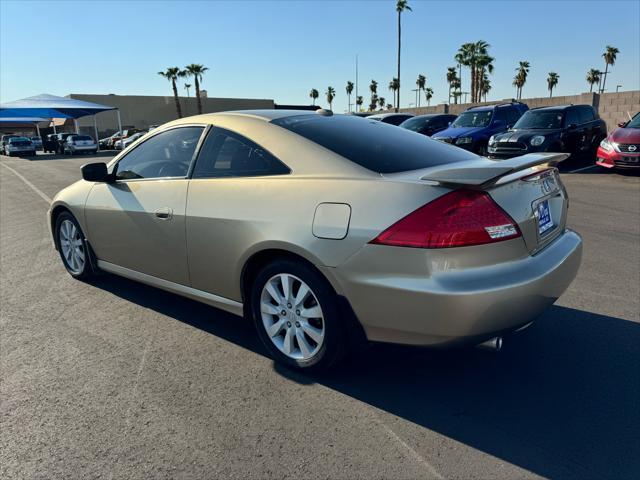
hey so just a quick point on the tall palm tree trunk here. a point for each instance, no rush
(175, 97)
(604, 78)
(399, 41)
(198, 96)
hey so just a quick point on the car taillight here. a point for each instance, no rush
(458, 218)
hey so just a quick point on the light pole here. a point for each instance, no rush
(416, 90)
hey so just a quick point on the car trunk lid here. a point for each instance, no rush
(527, 187)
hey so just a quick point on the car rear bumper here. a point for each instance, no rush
(82, 148)
(22, 152)
(452, 305)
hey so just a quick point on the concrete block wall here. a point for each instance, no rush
(612, 107)
(616, 107)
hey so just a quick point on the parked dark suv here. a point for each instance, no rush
(473, 128)
(574, 129)
(60, 139)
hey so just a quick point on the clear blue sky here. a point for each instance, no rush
(281, 49)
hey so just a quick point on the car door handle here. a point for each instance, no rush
(164, 213)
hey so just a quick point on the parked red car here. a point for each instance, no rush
(622, 147)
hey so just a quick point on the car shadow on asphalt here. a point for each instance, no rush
(562, 399)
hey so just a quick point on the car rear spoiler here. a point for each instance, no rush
(484, 172)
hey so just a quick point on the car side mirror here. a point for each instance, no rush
(449, 124)
(622, 124)
(95, 172)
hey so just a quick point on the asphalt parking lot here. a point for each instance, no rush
(115, 379)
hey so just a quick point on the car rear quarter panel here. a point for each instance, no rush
(231, 219)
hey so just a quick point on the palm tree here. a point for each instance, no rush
(374, 102)
(475, 56)
(314, 94)
(420, 83)
(517, 82)
(172, 74)
(479, 60)
(389, 106)
(373, 87)
(451, 77)
(610, 55)
(428, 94)
(349, 92)
(467, 57)
(381, 102)
(359, 102)
(521, 77)
(196, 71)
(552, 81)
(484, 68)
(457, 90)
(460, 58)
(331, 94)
(394, 86)
(401, 6)
(593, 77)
(486, 87)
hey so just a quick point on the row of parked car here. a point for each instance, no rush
(121, 140)
(18, 145)
(511, 129)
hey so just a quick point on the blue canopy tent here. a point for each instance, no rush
(50, 106)
(33, 121)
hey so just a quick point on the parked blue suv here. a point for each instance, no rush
(473, 128)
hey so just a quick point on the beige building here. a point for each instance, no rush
(141, 111)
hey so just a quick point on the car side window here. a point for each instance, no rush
(572, 117)
(227, 154)
(513, 115)
(500, 114)
(586, 114)
(167, 154)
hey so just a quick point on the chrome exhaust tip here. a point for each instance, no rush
(493, 344)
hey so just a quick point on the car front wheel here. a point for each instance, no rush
(73, 247)
(296, 314)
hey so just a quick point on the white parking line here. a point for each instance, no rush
(583, 169)
(28, 183)
(408, 447)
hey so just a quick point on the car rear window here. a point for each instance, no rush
(82, 137)
(374, 145)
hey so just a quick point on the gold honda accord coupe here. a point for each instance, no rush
(326, 229)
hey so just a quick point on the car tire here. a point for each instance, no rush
(73, 248)
(315, 340)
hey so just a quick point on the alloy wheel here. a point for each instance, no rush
(292, 316)
(72, 246)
